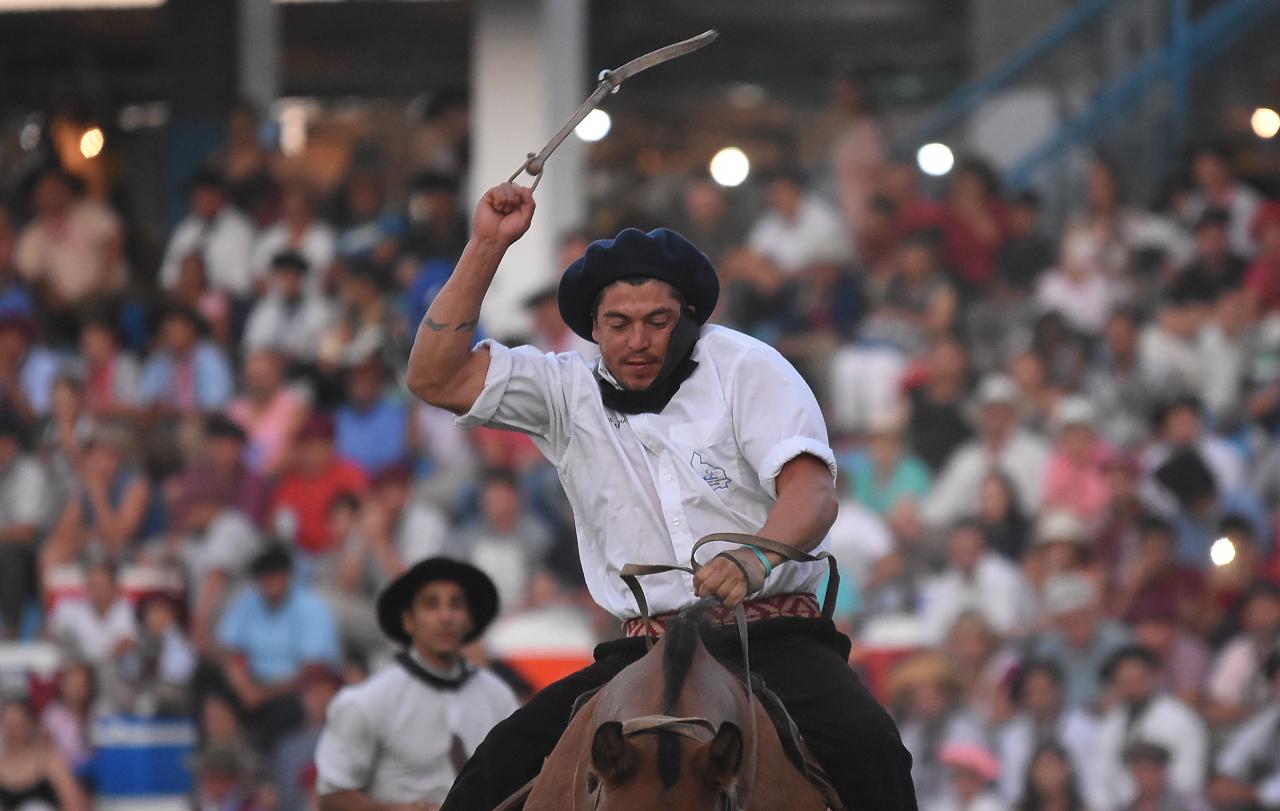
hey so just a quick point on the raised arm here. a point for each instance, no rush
(443, 369)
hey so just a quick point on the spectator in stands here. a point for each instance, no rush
(224, 780)
(1141, 713)
(1154, 789)
(1218, 188)
(1238, 683)
(300, 509)
(370, 228)
(25, 497)
(1078, 637)
(858, 150)
(1001, 445)
(918, 304)
(270, 635)
(154, 676)
(372, 425)
(68, 718)
(1115, 542)
(437, 227)
(1262, 279)
(1080, 287)
(217, 233)
(109, 514)
(1215, 268)
(295, 754)
(1004, 525)
(211, 535)
(925, 698)
(981, 666)
(1027, 252)
(550, 332)
(799, 230)
(1041, 718)
(1168, 349)
(99, 627)
(1227, 345)
(974, 225)
(1073, 478)
(298, 231)
(1061, 547)
(1184, 658)
(220, 479)
(1154, 577)
(112, 376)
(506, 542)
(186, 374)
(14, 296)
(270, 412)
(1121, 392)
(291, 318)
(27, 369)
(890, 473)
(247, 165)
(32, 772)
(706, 219)
(1180, 424)
(1050, 782)
(938, 425)
(1125, 231)
(975, 579)
(1201, 504)
(362, 325)
(391, 515)
(72, 251)
(1248, 764)
(974, 769)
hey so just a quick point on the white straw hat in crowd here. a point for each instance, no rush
(997, 389)
(1069, 592)
(1073, 411)
(1059, 526)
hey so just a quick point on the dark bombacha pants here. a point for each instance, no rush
(803, 661)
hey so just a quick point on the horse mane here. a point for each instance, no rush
(682, 638)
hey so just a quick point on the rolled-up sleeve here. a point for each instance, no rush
(775, 416)
(345, 751)
(526, 391)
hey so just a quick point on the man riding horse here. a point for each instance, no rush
(679, 430)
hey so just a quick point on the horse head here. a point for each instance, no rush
(629, 772)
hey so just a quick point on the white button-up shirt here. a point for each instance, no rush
(645, 487)
(391, 736)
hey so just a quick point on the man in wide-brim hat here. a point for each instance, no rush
(676, 430)
(402, 736)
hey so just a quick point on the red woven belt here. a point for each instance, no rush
(803, 605)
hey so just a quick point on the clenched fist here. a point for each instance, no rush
(503, 215)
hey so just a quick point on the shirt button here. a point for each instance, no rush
(675, 522)
(666, 476)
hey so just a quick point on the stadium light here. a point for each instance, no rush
(1265, 122)
(91, 142)
(594, 127)
(1222, 552)
(935, 159)
(730, 166)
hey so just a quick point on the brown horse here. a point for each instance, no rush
(675, 730)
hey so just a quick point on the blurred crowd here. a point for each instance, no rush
(1059, 472)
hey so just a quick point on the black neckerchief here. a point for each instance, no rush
(676, 368)
(431, 679)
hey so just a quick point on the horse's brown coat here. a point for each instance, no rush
(767, 778)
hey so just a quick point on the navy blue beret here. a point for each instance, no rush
(660, 254)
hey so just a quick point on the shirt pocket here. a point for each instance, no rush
(708, 449)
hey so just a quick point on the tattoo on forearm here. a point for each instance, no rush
(462, 326)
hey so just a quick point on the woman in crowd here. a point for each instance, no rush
(1051, 782)
(32, 772)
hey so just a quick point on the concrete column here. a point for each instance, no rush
(258, 51)
(528, 74)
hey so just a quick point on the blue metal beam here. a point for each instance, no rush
(965, 99)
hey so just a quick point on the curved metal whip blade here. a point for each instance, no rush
(610, 81)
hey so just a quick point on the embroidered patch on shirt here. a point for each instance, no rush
(714, 476)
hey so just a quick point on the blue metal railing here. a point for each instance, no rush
(967, 98)
(1196, 43)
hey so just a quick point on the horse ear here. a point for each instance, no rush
(724, 755)
(611, 755)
